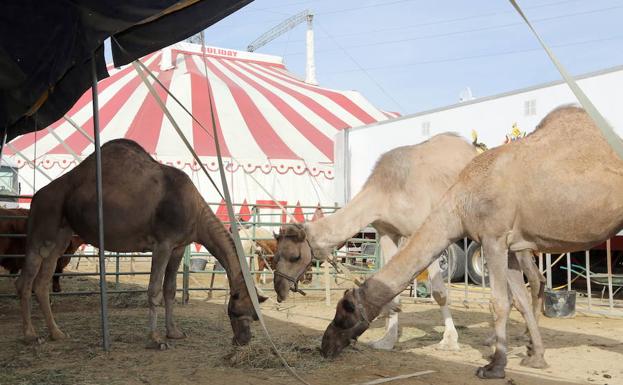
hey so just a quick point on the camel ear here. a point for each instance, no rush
(300, 234)
(276, 235)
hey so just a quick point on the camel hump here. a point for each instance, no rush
(127, 144)
(441, 154)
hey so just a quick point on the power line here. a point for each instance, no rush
(452, 20)
(446, 34)
(426, 24)
(383, 90)
(488, 55)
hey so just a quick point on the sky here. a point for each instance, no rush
(413, 55)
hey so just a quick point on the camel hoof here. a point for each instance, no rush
(448, 346)
(176, 334)
(381, 345)
(489, 372)
(537, 362)
(58, 335)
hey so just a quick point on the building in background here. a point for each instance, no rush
(494, 120)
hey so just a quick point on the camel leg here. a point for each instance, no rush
(170, 286)
(42, 291)
(440, 294)
(496, 252)
(159, 261)
(536, 349)
(536, 280)
(60, 266)
(389, 248)
(24, 284)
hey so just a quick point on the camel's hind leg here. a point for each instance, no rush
(160, 258)
(24, 285)
(389, 247)
(536, 280)
(170, 286)
(440, 294)
(536, 349)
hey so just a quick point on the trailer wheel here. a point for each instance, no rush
(474, 264)
(456, 256)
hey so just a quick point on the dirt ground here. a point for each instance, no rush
(580, 350)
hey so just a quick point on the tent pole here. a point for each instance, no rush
(4, 134)
(100, 210)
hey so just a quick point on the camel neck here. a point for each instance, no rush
(330, 231)
(440, 229)
(213, 235)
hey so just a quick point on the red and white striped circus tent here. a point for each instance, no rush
(270, 123)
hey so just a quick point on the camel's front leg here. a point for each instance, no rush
(496, 253)
(389, 339)
(440, 294)
(159, 260)
(170, 286)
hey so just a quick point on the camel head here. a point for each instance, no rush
(292, 259)
(241, 314)
(350, 321)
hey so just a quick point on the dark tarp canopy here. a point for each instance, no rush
(46, 48)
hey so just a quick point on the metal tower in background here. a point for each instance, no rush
(285, 26)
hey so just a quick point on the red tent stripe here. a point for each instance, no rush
(270, 143)
(76, 141)
(336, 97)
(146, 126)
(310, 103)
(23, 142)
(202, 141)
(311, 133)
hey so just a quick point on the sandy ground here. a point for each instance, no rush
(580, 350)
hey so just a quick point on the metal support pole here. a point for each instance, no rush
(186, 276)
(588, 279)
(450, 273)
(327, 284)
(466, 276)
(569, 271)
(548, 269)
(100, 210)
(117, 271)
(609, 261)
(482, 269)
(4, 134)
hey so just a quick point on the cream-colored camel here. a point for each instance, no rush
(406, 183)
(147, 207)
(557, 190)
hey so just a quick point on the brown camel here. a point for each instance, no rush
(17, 245)
(147, 207)
(557, 190)
(406, 183)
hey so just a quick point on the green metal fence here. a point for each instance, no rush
(361, 256)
